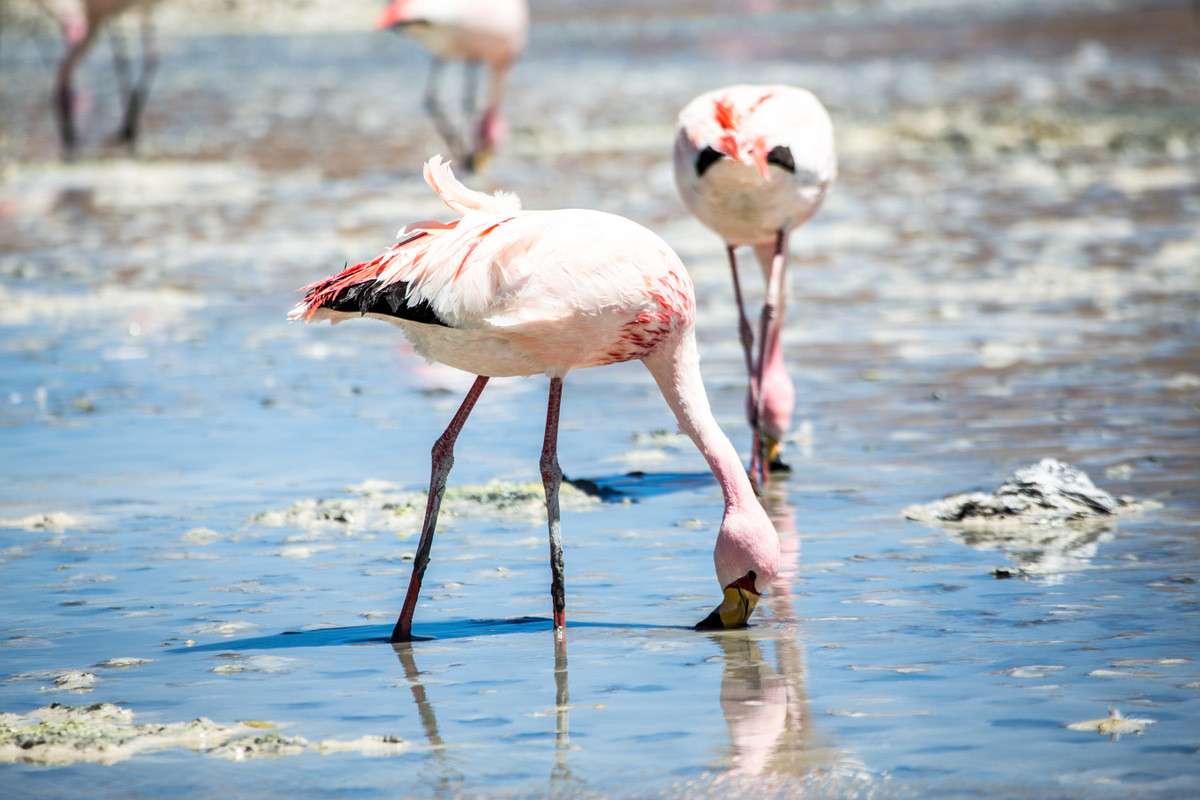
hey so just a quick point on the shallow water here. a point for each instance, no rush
(1008, 268)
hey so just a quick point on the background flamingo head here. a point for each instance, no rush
(732, 136)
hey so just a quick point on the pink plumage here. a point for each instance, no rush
(501, 291)
(753, 163)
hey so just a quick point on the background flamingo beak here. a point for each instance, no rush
(758, 155)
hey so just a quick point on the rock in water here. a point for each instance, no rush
(1046, 493)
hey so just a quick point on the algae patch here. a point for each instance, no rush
(105, 733)
(1114, 726)
(381, 506)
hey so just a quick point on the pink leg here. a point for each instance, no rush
(443, 460)
(551, 480)
(746, 334)
(769, 333)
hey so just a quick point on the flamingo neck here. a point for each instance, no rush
(677, 372)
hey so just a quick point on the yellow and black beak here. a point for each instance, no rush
(772, 451)
(739, 603)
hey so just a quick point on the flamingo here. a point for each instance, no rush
(753, 163)
(505, 292)
(491, 32)
(81, 22)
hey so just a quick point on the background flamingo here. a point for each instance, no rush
(752, 163)
(490, 32)
(82, 21)
(503, 292)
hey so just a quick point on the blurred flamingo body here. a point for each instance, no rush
(753, 163)
(488, 32)
(82, 21)
(502, 292)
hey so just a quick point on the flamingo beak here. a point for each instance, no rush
(774, 450)
(758, 153)
(479, 161)
(740, 600)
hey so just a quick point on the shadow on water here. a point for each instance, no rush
(434, 631)
(636, 485)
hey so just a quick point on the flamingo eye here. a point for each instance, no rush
(707, 157)
(781, 157)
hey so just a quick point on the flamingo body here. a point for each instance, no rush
(753, 160)
(503, 292)
(753, 163)
(488, 32)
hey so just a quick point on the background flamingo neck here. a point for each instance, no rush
(677, 372)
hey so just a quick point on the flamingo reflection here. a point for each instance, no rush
(561, 771)
(765, 702)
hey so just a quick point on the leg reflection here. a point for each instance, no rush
(562, 709)
(444, 771)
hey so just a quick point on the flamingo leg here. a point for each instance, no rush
(64, 90)
(443, 460)
(470, 90)
(551, 481)
(433, 108)
(137, 93)
(769, 333)
(470, 104)
(746, 334)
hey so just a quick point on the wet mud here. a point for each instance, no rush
(1007, 270)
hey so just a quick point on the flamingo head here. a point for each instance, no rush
(741, 597)
(747, 559)
(727, 132)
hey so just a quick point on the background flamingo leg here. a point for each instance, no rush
(433, 107)
(769, 332)
(135, 92)
(552, 480)
(64, 90)
(746, 334)
(443, 460)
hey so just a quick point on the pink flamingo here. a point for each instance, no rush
(490, 32)
(752, 163)
(81, 23)
(504, 292)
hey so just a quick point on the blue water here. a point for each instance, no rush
(955, 315)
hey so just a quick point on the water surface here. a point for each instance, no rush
(1007, 269)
